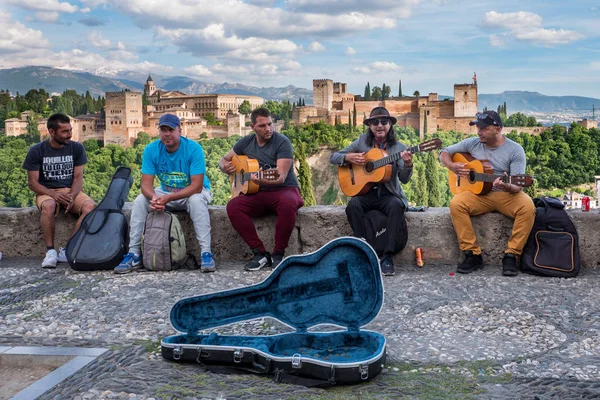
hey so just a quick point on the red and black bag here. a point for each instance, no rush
(552, 248)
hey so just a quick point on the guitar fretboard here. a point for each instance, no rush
(394, 157)
(481, 177)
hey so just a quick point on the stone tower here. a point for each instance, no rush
(150, 87)
(123, 117)
(323, 93)
(465, 100)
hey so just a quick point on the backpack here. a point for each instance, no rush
(552, 248)
(376, 228)
(163, 243)
(101, 240)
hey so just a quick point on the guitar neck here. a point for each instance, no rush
(481, 177)
(393, 157)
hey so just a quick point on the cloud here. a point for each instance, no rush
(213, 40)
(275, 23)
(96, 40)
(16, 37)
(400, 8)
(316, 47)
(48, 16)
(527, 27)
(46, 5)
(350, 51)
(198, 70)
(91, 21)
(377, 67)
(497, 40)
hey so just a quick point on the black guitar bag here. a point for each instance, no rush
(339, 284)
(102, 239)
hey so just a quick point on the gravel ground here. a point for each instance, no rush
(479, 336)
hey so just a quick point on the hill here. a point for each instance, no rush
(532, 102)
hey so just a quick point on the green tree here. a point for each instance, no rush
(376, 93)
(304, 178)
(385, 92)
(210, 118)
(434, 178)
(367, 94)
(245, 108)
(33, 133)
(354, 116)
(399, 87)
(145, 100)
(424, 122)
(416, 93)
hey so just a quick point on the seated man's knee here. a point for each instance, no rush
(87, 207)
(49, 207)
(197, 200)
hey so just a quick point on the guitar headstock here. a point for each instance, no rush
(429, 145)
(521, 180)
(269, 174)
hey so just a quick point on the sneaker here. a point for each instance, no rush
(277, 257)
(62, 256)
(472, 262)
(129, 262)
(50, 260)
(387, 266)
(509, 265)
(260, 260)
(208, 262)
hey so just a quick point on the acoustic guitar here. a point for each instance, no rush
(241, 181)
(481, 176)
(356, 180)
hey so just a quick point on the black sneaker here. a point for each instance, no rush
(260, 260)
(509, 265)
(472, 262)
(387, 266)
(277, 257)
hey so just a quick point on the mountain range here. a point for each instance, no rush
(103, 80)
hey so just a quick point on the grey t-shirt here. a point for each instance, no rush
(56, 166)
(278, 147)
(509, 157)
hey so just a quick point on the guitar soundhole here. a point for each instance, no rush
(369, 167)
(471, 176)
(242, 180)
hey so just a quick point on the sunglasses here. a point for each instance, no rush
(376, 121)
(486, 118)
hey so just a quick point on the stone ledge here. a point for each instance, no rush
(20, 233)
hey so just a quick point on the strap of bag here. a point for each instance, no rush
(191, 262)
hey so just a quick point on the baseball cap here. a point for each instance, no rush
(170, 120)
(487, 118)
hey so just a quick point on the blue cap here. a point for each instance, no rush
(170, 120)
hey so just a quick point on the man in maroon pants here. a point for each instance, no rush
(279, 196)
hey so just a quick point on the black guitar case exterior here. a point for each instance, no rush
(102, 239)
(339, 284)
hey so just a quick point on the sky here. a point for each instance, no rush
(548, 46)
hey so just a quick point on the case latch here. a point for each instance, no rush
(237, 355)
(177, 352)
(364, 371)
(296, 361)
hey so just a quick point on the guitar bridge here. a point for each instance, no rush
(351, 174)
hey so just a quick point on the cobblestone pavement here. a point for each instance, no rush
(480, 336)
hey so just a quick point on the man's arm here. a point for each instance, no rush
(457, 167)
(348, 155)
(225, 164)
(283, 166)
(76, 186)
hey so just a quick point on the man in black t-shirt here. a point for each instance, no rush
(279, 195)
(55, 173)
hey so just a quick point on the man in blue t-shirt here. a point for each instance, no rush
(180, 167)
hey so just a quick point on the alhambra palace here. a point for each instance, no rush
(126, 115)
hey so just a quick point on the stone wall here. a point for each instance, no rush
(20, 234)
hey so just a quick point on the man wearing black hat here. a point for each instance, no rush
(388, 197)
(507, 158)
(179, 165)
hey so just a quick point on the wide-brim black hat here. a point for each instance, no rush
(380, 112)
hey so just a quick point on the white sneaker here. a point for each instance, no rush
(62, 256)
(50, 259)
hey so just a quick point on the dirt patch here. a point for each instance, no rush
(16, 378)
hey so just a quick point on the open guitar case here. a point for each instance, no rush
(339, 284)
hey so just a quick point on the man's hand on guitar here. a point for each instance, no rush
(355, 158)
(407, 157)
(228, 167)
(500, 183)
(459, 169)
(268, 177)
